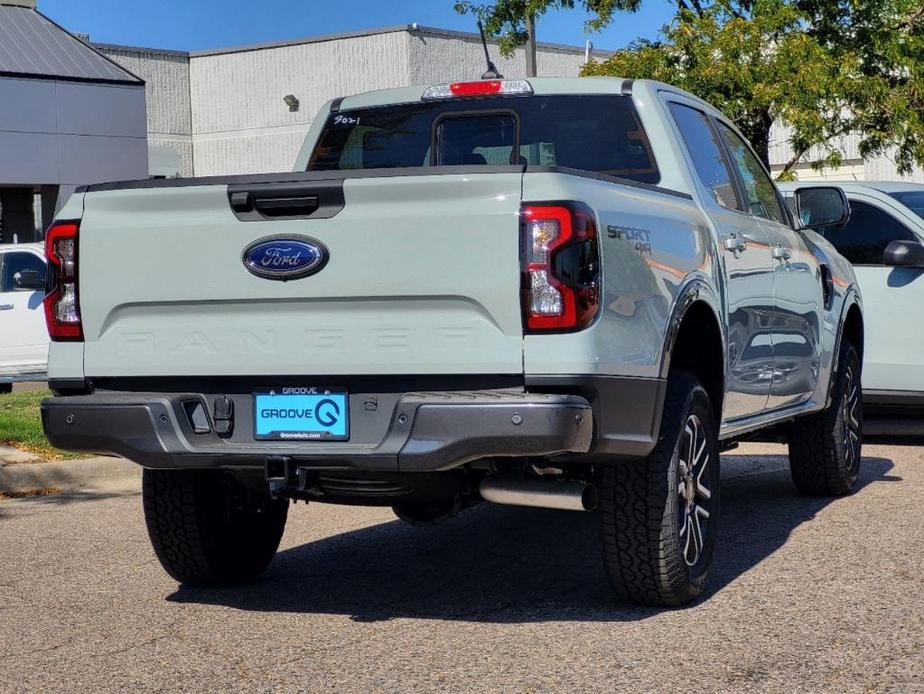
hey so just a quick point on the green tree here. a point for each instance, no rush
(505, 20)
(824, 68)
(879, 45)
(756, 67)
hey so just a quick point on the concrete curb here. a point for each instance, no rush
(92, 474)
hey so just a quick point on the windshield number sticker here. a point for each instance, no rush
(345, 120)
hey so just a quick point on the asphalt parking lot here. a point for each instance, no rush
(807, 595)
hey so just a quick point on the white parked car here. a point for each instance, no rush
(884, 240)
(23, 335)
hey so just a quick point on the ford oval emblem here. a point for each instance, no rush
(285, 257)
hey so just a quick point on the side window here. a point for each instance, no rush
(706, 154)
(761, 194)
(865, 237)
(14, 263)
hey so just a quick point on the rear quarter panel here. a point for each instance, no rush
(653, 244)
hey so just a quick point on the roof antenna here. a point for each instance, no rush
(492, 73)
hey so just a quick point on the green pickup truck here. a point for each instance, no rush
(563, 293)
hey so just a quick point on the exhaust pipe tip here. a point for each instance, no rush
(553, 494)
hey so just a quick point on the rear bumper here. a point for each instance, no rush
(900, 400)
(410, 432)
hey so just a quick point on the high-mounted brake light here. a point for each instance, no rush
(479, 88)
(62, 305)
(476, 88)
(561, 273)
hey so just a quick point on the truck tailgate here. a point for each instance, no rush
(423, 278)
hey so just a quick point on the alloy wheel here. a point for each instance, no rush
(693, 494)
(853, 430)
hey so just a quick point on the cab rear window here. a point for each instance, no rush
(600, 134)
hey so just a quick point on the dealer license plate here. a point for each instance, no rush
(301, 414)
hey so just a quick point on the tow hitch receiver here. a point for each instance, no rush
(277, 473)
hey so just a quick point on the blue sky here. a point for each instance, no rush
(204, 24)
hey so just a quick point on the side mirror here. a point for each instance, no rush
(908, 254)
(821, 207)
(29, 281)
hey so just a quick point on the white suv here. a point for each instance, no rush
(23, 335)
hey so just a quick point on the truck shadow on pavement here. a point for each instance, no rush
(506, 565)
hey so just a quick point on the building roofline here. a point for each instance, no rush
(300, 41)
(138, 49)
(79, 80)
(408, 28)
(454, 33)
(101, 55)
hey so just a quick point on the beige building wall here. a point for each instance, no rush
(240, 121)
(166, 76)
(443, 56)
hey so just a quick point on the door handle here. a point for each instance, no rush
(268, 201)
(782, 253)
(6, 307)
(286, 206)
(275, 206)
(734, 243)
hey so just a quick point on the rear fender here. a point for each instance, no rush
(696, 290)
(852, 298)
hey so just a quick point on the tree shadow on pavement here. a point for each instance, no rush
(506, 565)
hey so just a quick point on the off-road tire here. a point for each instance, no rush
(825, 449)
(208, 529)
(641, 513)
(6, 388)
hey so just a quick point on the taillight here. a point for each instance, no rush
(561, 267)
(62, 305)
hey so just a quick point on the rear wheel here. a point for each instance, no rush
(658, 516)
(209, 529)
(825, 449)
(6, 388)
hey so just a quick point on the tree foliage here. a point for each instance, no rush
(506, 19)
(879, 46)
(824, 68)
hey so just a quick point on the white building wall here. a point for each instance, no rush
(240, 122)
(884, 169)
(166, 76)
(853, 168)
